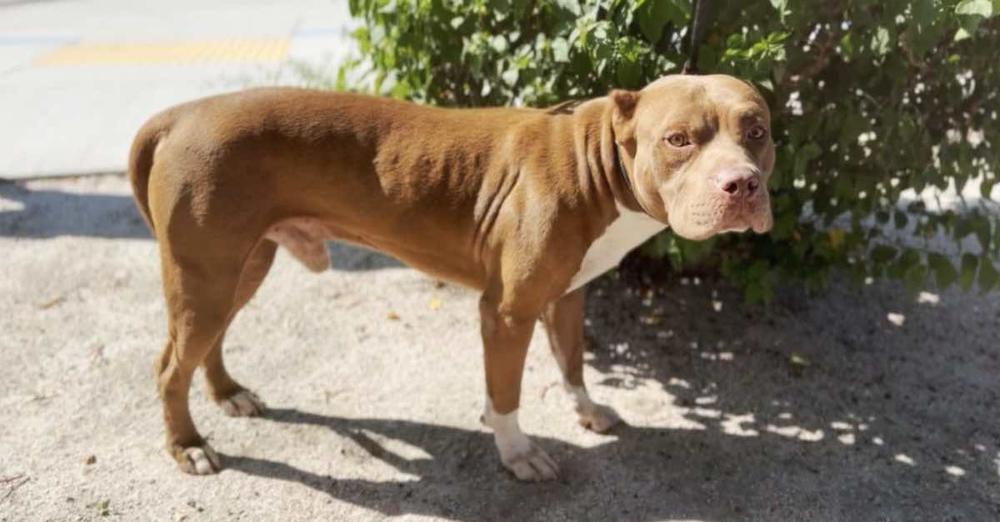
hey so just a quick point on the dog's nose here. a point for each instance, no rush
(738, 183)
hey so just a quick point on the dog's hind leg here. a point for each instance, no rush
(231, 396)
(200, 291)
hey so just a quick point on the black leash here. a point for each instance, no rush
(628, 182)
(696, 27)
(695, 30)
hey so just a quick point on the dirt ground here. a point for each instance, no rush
(818, 408)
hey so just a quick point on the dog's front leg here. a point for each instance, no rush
(563, 320)
(506, 335)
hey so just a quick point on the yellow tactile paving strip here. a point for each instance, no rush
(204, 51)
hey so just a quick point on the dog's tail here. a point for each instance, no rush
(140, 160)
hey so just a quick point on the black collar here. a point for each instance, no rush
(622, 171)
(623, 174)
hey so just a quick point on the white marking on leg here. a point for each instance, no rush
(507, 430)
(517, 453)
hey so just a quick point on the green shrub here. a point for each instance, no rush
(869, 98)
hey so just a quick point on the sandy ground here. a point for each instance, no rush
(818, 408)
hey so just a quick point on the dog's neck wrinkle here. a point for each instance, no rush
(602, 190)
(612, 166)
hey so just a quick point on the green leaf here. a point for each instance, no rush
(980, 224)
(906, 261)
(500, 7)
(847, 44)
(969, 263)
(900, 219)
(807, 153)
(629, 74)
(944, 273)
(653, 16)
(988, 276)
(982, 8)
(915, 278)
(923, 12)
(659, 246)
(753, 293)
(971, 13)
(758, 291)
(782, 7)
(883, 253)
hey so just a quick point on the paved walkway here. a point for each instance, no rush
(819, 408)
(77, 78)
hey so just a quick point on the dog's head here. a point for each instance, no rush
(699, 152)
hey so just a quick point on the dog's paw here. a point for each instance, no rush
(198, 460)
(527, 461)
(598, 418)
(243, 403)
(518, 453)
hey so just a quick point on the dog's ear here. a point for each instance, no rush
(622, 117)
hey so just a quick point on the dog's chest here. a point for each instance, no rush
(628, 231)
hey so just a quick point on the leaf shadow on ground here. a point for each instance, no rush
(814, 407)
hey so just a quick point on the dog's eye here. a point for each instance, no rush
(756, 132)
(678, 139)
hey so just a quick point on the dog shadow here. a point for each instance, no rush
(754, 436)
(35, 213)
(463, 480)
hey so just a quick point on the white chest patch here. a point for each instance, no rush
(629, 230)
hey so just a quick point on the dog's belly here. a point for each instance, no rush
(304, 238)
(629, 230)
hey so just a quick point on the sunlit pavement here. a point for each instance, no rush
(78, 78)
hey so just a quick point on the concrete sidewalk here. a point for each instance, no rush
(818, 409)
(78, 78)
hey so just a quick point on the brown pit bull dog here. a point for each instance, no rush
(524, 205)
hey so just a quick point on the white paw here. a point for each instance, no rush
(243, 403)
(525, 459)
(599, 418)
(201, 460)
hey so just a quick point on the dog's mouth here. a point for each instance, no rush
(758, 224)
(752, 216)
(700, 221)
